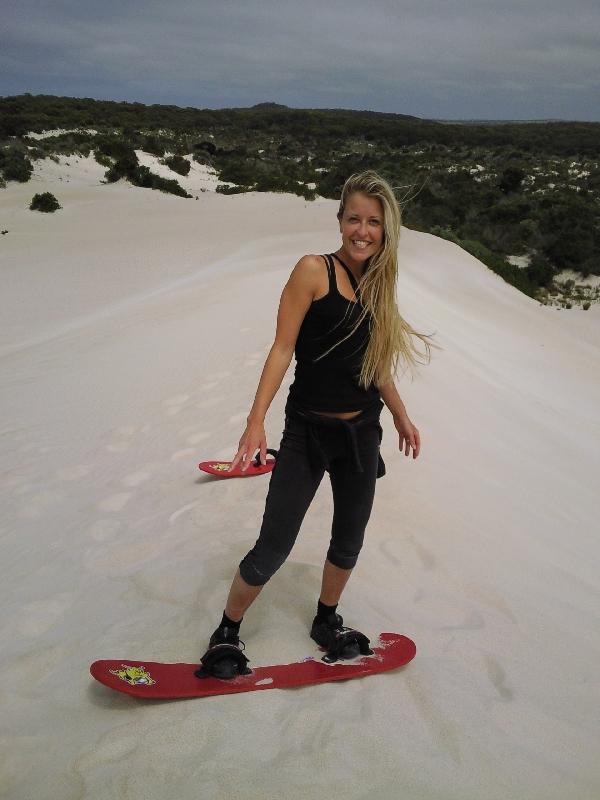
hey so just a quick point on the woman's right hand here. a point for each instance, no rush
(253, 439)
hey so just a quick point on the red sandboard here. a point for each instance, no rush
(221, 468)
(157, 681)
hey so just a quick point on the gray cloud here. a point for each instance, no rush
(448, 59)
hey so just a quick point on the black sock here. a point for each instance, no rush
(324, 611)
(229, 623)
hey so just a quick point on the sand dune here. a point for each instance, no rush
(135, 327)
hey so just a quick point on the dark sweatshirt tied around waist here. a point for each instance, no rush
(314, 422)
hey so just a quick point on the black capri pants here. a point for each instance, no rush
(296, 477)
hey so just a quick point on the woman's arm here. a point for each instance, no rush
(409, 436)
(389, 395)
(295, 301)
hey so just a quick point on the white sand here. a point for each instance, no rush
(135, 327)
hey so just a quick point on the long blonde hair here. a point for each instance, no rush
(391, 336)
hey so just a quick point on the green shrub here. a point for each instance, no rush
(178, 164)
(152, 144)
(15, 165)
(125, 166)
(44, 202)
(143, 177)
(222, 188)
(102, 159)
(540, 271)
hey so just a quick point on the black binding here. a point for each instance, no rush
(346, 643)
(223, 661)
(274, 453)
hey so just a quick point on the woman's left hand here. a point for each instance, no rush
(408, 435)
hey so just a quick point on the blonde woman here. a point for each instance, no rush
(338, 315)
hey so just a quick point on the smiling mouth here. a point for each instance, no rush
(360, 243)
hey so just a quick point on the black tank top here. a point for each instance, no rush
(331, 383)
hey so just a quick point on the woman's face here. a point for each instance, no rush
(362, 226)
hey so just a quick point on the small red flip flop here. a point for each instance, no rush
(221, 468)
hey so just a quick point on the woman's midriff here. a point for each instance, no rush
(340, 415)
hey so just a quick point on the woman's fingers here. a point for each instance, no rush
(410, 440)
(237, 458)
(234, 463)
(246, 454)
(417, 443)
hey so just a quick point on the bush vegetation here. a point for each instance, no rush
(178, 164)
(498, 190)
(44, 202)
(14, 163)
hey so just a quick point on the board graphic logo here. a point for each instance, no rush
(134, 676)
(221, 466)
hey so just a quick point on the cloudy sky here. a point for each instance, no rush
(450, 59)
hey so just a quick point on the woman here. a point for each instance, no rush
(338, 314)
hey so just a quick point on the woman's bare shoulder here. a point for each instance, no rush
(311, 263)
(309, 268)
(307, 275)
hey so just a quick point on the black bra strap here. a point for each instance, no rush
(330, 273)
(353, 280)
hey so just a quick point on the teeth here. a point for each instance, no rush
(360, 243)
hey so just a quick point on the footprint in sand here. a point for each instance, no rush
(176, 400)
(210, 401)
(119, 558)
(74, 473)
(484, 594)
(392, 545)
(40, 504)
(118, 447)
(217, 376)
(253, 359)
(136, 478)
(115, 502)
(186, 454)
(125, 430)
(173, 405)
(103, 530)
(426, 557)
(121, 444)
(473, 621)
(37, 617)
(182, 510)
(197, 437)
(497, 676)
(115, 746)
